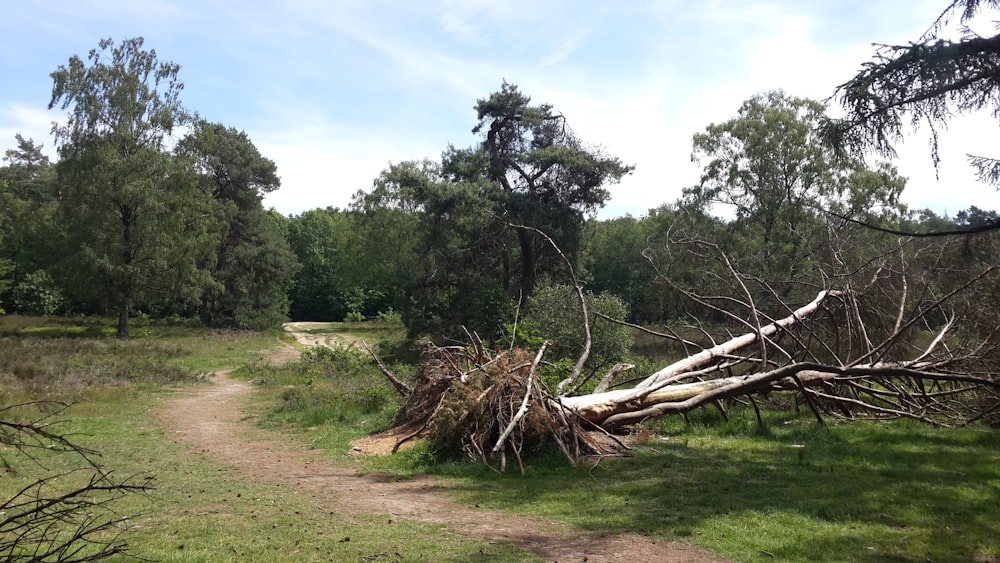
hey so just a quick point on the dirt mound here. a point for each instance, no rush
(384, 443)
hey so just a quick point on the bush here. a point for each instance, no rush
(341, 387)
(37, 294)
(340, 362)
(554, 314)
(390, 316)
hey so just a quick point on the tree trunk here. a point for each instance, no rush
(527, 264)
(657, 388)
(123, 311)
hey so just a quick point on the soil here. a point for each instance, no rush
(210, 419)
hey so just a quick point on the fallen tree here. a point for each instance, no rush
(848, 352)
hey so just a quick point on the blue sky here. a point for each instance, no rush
(334, 91)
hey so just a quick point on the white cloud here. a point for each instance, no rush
(30, 123)
(334, 91)
(323, 164)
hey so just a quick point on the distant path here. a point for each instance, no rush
(303, 335)
(209, 419)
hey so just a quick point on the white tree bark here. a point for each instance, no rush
(657, 388)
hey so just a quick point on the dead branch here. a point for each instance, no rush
(53, 519)
(587, 342)
(523, 409)
(706, 356)
(609, 377)
(399, 385)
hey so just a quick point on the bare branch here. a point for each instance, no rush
(399, 385)
(585, 353)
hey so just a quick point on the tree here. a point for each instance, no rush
(28, 194)
(771, 167)
(546, 177)
(135, 223)
(28, 173)
(462, 279)
(613, 262)
(554, 315)
(253, 265)
(323, 242)
(480, 211)
(926, 82)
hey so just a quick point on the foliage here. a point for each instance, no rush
(26, 226)
(771, 167)
(554, 314)
(546, 178)
(37, 294)
(925, 82)
(474, 257)
(319, 238)
(389, 316)
(134, 226)
(253, 265)
(338, 388)
(28, 174)
(613, 261)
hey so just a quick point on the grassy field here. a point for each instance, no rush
(198, 510)
(790, 491)
(852, 492)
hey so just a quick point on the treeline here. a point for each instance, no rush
(153, 210)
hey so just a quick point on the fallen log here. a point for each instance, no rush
(658, 387)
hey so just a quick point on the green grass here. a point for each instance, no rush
(203, 511)
(199, 510)
(333, 395)
(852, 492)
(790, 491)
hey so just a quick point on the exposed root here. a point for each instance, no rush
(491, 409)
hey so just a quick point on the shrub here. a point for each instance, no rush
(37, 294)
(554, 314)
(390, 316)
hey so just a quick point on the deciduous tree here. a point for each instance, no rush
(773, 170)
(132, 217)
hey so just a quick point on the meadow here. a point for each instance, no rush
(788, 490)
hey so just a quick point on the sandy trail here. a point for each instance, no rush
(210, 419)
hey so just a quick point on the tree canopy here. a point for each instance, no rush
(926, 82)
(126, 202)
(132, 219)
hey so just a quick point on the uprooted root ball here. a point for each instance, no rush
(474, 403)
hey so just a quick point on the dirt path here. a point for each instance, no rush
(209, 419)
(304, 335)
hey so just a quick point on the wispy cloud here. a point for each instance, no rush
(29, 122)
(334, 91)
